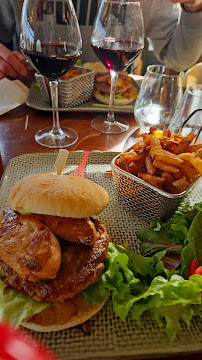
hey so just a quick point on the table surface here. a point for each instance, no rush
(15, 140)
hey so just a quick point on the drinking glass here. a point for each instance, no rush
(188, 116)
(51, 41)
(117, 39)
(160, 94)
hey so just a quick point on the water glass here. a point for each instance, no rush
(188, 116)
(160, 94)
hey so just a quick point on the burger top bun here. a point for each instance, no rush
(58, 195)
(193, 75)
(97, 66)
(60, 316)
(118, 102)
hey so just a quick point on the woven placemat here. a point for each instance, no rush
(109, 337)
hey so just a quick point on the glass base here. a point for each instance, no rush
(116, 127)
(65, 137)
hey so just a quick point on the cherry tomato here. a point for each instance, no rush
(193, 266)
(198, 270)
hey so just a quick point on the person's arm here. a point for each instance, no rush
(176, 37)
(189, 5)
(10, 64)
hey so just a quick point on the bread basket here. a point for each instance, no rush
(145, 200)
(71, 92)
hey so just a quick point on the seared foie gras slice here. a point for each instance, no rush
(28, 246)
(71, 229)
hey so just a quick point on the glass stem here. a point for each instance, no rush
(56, 130)
(110, 115)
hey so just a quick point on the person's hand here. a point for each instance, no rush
(190, 5)
(10, 63)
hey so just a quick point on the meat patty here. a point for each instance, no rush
(70, 229)
(28, 246)
(81, 266)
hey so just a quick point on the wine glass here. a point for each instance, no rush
(160, 94)
(117, 39)
(51, 41)
(188, 116)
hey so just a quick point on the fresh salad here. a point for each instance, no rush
(164, 278)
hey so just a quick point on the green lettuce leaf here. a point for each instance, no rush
(16, 307)
(175, 231)
(117, 96)
(182, 230)
(137, 284)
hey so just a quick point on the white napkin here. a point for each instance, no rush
(12, 94)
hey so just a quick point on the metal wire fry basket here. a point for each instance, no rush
(71, 92)
(145, 200)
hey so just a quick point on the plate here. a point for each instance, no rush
(36, 101)
(109, 336)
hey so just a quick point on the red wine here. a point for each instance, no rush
(116, 55)
(54, 60)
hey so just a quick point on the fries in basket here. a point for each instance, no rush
(167, 161)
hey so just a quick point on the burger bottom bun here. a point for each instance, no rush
(60, 316)
(119, 102)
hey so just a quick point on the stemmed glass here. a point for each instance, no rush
(160, 94)
(51, 41)
(117, 39)
(188, 116)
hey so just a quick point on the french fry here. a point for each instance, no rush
(181, 184)
(194, 148)
(155, 143)
(195, 161)
(199, 153)
(165, 167)
(181, 147)
(188, 169)
(153, 180)
(190, 137)
(134, 157)
(165, 160)
(166, 157)
(167, 133)
(149, 166)
(167, 176)
(135, 169)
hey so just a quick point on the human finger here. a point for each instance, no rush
(2, 75)
(7, 70)
(18, 55)
(12, 60)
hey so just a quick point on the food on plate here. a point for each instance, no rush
(51, 248)
(74, 72)
(193, 75)
(97, 66)
(125, 91)
(165, 160)
(154, 280)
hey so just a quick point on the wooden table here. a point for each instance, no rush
(15, 140)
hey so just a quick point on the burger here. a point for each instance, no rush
(125, 91)
(51, 248)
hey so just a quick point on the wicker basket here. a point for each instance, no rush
(71, 92)
(145, 200)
